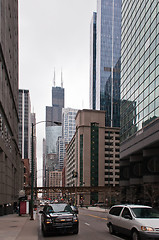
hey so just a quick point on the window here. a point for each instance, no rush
(115, 211)
(126, 212)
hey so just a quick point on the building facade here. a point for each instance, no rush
(27, 175)
(55, 180)
(25, 124)
(60, 144)
(108, 57)
(52, 134)
(68, 123)
(93, 154)
(11, 165)
(140, 101)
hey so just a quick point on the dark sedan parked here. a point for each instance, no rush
(58, 217)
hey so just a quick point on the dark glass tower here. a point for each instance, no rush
(54, 113)
(108, 54)
(93, 33)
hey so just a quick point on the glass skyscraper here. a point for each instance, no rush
(54, 113)
(140, 70)
(139, 155)
(108, 55)
(92, 88)
(52, 134)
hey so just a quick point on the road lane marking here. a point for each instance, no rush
(90, 215)
(87, 224)
(118, 237)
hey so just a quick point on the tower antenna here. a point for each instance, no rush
(54, 79)
(61, 79)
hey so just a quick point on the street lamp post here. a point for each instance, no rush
(32, 172)
(32, 165)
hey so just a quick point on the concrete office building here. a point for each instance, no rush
(52, 164)
(105, 60)
(55, 180)
(11, 165)
(68, 130)
(68, 123)
(139, 153)
(93, 154)
(27, 174)
(25, 124)
(60, 144)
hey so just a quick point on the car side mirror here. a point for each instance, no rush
(75, 211)
(128, 217)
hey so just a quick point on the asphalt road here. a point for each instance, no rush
(92, 225)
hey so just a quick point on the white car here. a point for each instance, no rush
(136, 221)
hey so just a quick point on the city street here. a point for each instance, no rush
(92, 225)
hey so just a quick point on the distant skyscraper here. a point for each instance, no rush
(68, 123)
(52, 134)
(25, 123)
(108, 44)
(93, 33)
(53, 127)
(60, 151)
(54, 113)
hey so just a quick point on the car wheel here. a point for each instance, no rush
(111, 229)
(75, 231)
(135, 235)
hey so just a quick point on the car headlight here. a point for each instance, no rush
(48, 220)
(75, 219)
(148, 229)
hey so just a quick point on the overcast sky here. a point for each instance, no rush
(54, 34)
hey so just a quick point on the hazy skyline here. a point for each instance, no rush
(54, 35)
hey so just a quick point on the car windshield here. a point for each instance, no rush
(60, 208)
(145, 212)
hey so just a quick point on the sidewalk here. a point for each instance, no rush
(15, 227)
